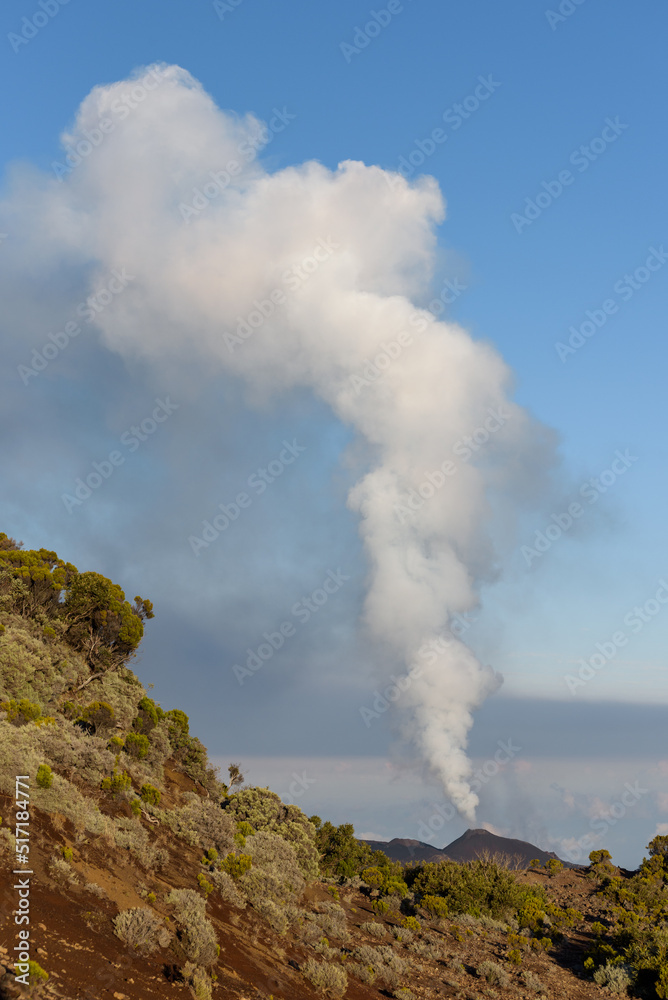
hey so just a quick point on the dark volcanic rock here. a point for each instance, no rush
(472, 844)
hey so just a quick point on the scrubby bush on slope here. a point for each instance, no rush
(142, 930)
(263, 810)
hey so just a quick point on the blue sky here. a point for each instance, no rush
(551, 87)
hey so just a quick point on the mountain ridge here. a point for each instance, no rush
(472, 844)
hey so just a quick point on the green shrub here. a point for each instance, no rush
(135, 806)
(100, 622)
(178, 728)
(478, 887)
(204, 885)
(553, 866)
(236, 864)
(41, 574)
(380, 906)
(411, 924)
(325, 977)
(150, 794)
(68, 854)
(148, 715)
(340, 853)
(436, 906)
(19, 713)
(116, 783)
(661, 985)
(136, 745)
(36, 974)
(44, 777)
(116, 743)
(99, 714)
(141, 929)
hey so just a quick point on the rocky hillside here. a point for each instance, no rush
(136, 872)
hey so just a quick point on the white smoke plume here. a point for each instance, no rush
(346, 254)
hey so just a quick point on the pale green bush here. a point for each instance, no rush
(29, 668)
(273, 913)
(615, 978)
(198, 937)
(63, 871)
(332, 920)
(130, 834)
(141, 929)
(226, 888)
(96, 889)
(365, 973)
(274, 876)
(198, 980)
(374, 928)
(326, 977)
(532, 981)
(200, 822)
(264, 811)
(494, 973)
